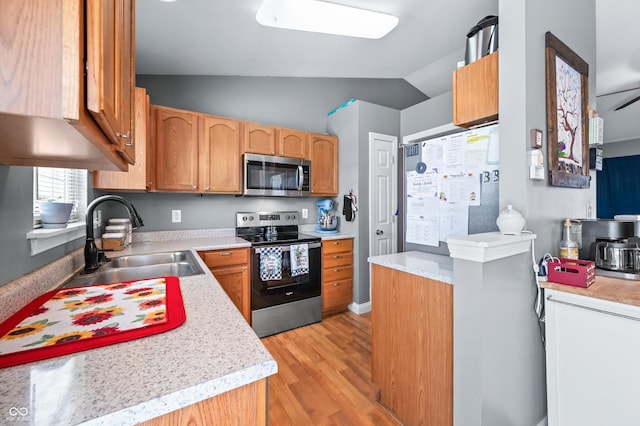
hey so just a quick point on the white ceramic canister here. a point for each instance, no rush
(123, 222)
(510, 221)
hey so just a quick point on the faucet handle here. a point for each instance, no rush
(102, 257)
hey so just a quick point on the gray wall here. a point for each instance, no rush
(523, 107)
(352, 125)
(426, 115)
(299, 103)
(621, 149)
(16, 219)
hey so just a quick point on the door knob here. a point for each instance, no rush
(379, 232)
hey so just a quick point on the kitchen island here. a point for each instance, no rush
(215, 353)
(412, 336)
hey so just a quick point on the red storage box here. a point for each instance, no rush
(575, 272)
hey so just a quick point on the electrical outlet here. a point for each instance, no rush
(176, 216)
(305, 213)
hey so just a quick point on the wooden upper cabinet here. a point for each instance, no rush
(175, 136)
(44, 116)
(140, 176)
(220, 159)
(475, 92)
(259, 139)
(111, 70)
(292, 143)
(324, 164)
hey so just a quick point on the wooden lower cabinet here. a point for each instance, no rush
(412, 346)
(246, 405)
(231, 269)
(337, 274)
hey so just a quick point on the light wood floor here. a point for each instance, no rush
(324, 374)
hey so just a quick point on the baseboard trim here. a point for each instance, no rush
(360, 308)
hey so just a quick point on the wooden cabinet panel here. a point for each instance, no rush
(337, 295)
(259, 139)
(176, 148)
(246, 405)
(235, 282)
(110, 70)
(412, 346)
(231, 269)
(139, 177)
(337, 274)
(475, 92)
(337, 246)
(220, 159)
(223, 258)
(292, 143)
(324, 164)
(44, 120)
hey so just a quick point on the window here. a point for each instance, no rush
(67, 185)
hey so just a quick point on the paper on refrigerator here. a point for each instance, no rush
(423, 220)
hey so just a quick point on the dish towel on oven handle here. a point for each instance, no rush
(299, 254)
(271, 263)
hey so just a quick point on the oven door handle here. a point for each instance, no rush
(287, 247)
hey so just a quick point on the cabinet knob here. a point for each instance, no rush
(195, 187)
(336, 270)
(337, 284)
(337, 256)
(244, 269)
(206, 188)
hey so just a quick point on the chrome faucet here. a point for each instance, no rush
(92, 255)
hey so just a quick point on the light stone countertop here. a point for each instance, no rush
(214, 351)
(433, 266)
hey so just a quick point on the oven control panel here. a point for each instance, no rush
(247, 219)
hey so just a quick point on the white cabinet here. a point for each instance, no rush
(593, 361)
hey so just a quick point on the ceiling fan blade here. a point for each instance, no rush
(626, 104)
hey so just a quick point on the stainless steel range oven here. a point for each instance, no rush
(285, 271)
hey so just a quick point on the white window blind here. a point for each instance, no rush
(63, 185)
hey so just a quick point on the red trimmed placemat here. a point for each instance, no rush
(71, 320)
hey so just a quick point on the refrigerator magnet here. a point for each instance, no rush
(421, 167)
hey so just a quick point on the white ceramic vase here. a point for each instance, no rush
(510, 221)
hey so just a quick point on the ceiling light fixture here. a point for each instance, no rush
(322, 17)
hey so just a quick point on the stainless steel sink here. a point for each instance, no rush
(150, 259)
(139, 267)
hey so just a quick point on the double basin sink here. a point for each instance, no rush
(139, 267)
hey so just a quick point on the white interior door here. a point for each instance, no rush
(382, 194)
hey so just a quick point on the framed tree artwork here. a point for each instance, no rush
(567, 119)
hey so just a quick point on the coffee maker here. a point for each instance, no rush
(614, 245)
(327, 219)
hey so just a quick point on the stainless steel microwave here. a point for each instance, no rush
(270, 176)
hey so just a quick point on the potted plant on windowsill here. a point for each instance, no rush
(54, 214)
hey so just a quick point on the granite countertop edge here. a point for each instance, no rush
(258, 363)
(427, 265)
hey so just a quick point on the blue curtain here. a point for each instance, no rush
(618, 190)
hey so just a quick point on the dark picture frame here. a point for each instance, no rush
(567, 115)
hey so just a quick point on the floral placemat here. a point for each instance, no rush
(75, 319)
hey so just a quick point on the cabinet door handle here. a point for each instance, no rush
(225, 253)
(337, 284)
(336, 270)
(194, 186)
(337, 243)
(337, 257)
